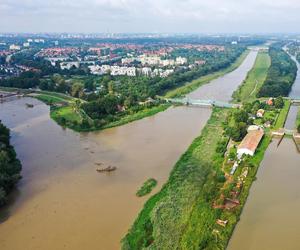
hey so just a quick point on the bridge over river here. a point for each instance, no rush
(203, 103)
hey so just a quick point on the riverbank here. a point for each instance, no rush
(10, 166)
(255, 78)
(193, 85)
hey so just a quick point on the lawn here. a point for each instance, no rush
(254, 80)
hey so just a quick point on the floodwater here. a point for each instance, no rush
(62, 202)
(270, 219)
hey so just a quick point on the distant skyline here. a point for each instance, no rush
(154, 16)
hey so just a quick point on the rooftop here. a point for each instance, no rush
(251, 140)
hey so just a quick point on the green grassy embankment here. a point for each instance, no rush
(193, 85)
(254, 80)
(282, 115)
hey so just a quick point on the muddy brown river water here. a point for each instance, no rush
(62, 202)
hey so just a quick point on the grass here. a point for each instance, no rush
(280, 121)
(147, 187)
(193, 85)
(180, 215)
(49, 99)
(67, 113)
(254, 80)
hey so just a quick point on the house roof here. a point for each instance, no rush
(251, 140)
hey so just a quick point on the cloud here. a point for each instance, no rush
(150, 15)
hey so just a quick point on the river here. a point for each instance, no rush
(62, 202)
(270, 219)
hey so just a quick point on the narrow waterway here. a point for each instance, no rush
(62, 202)
(270, 219)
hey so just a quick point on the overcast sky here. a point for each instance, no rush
(247, 16)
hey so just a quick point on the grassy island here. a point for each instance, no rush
(147, 187)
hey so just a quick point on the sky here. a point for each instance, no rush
(143, 16)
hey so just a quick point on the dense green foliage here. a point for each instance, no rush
(147, 187)
(10, 166)
(281, 74)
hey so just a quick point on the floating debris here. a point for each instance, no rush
(106, 169)
(98, 163)
(29, 105)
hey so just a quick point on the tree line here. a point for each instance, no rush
(281, 75)
(10, 166)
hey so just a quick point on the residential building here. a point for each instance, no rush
(260, 113)
(14, 47)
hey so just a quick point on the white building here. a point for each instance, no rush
(146, 71)
(166, 72)
(149, 60)
(26, 44)
(250, 143)
(128, 60)
(181, 60)
(69, 65)
(14, 47)
(53, 60)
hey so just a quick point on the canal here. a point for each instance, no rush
(62, 202)
(270, 218)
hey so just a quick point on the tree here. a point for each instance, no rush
(77, 89)
(278, 102)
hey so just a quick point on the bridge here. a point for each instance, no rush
(203, 103)
(295, 101)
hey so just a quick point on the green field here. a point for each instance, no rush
(193, 85)
(254, 80)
